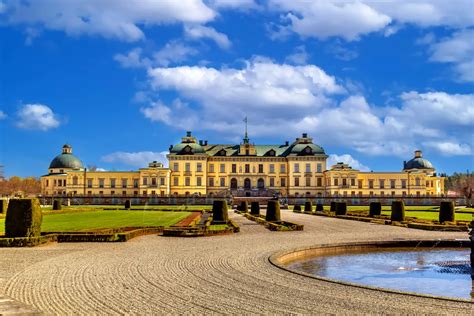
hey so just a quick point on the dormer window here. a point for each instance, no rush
(187, 150)
(271, 152)
(221, 152)
(306, 151)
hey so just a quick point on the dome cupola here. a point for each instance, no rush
(418, 162)
(66, 160)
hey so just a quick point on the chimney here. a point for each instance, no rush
(287, 143)
(404, 164)
(305, 135)
(418, 154)
(188, 133)
(171, 147)
(205, 143)
(201, 142)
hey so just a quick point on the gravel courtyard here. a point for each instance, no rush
(224, 274)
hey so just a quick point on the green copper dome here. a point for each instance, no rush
(181, 148)
(300, 149)
(418, 162)
(66, 161)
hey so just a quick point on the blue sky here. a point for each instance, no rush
(120, 81)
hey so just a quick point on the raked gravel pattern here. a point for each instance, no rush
(227, 274)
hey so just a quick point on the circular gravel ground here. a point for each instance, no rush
(222, 274)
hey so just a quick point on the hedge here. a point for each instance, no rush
(308, 207)
(255, 208)
(319, 207)
(244, 207)
(341, 208)
(24, 218)
(219, 211)
(58, 204)
(375, 209)
(398, 211)
(297, 208)
(3, 206)
(26, 241)
(446, 212)
(333, 207)
(273, 211)
(128, 204)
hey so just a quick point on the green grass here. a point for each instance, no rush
(433, 216)
(91, 220)
(218, 227)
(355, 208)
(74, 208)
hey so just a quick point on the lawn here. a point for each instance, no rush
(74, 208)
(89, 220)
(434, 216)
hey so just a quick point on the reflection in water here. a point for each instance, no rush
(441, 272)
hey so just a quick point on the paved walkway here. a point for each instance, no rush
(221, 274)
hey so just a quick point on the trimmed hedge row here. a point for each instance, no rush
(24, 218)
(375, 209)
(308, 207)
(319, 207)
(3, 206)
(446, 212)
(273, 211)
(27, 241)
(58, 204)
(255, 208)
(398, 211)
(297, 208)
(219, 212)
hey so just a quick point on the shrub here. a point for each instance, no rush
(297, 208)
(398, 211)
(341, 208)
(446, 212)
(3, 206)
(128, 204)
(375, 209)
(333, 207)
(23, 218)
(308, 207)
(58, 204)
(244, 207)
(319, 207)
(219, 212)
(255, 208)
(273, 211)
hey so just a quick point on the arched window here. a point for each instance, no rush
(74, 180)
(260, 183)
(247, 184)
(233, 183)
(417, 181)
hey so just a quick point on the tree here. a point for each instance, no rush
(16, 185)
(462, 184)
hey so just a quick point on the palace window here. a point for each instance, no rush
(296, 167)
(135, 183)
(153, 181)
(198, 181)
(247, 168)
(393, 193)
(175, 166)
(282, 168)
(47, 183)
(199, 167)
(360, 183)
(319, 181)
(124, 193)
(145, 181)
(187, 181)
(222, 168)
(336, 181)
(283, 182)
(89, 183)
(308, 182)
(344, 182)
(74, 181)
(272, 182)
(308, 167)
(353, 182)
(392, 184)
(89, 192)
(162, 181)
(371, 184)
(272, 168)
(234, 168)
(211, 182)
(297, 182)
(144, 193)
(353, 193)
(404, 193)
(260, 168)
(101, 192)
(404, 184)
(124, 183)
(187, 167)
(112, 192)
(417, 182)
(175, 181)
(101, 183)
(211, 167)
(222, 182)
(382, 193)
(319, 168)
(382, 183)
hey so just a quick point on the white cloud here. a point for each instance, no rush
(347, 159)
(458, 49)
(450, 148)
(234, 4)
(37, 117)
(299, 57)
(119, 19)
(136, 159)
(133, 59)
(173, 52)
(3, 115)
(352, 19)
(200, 31)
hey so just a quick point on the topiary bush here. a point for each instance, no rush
(297, 208)
(128, 204)
(219, 212)
(3, 206)
(319, 207)
(255, 208)
(375, 209)
(446, 212)
(58, 204)
(333, 207)
(398, 211)
(341, 208)
(23, 218)
(244, 207)
(273, 211)
(308, 207)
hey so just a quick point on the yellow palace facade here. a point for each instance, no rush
(201, 169)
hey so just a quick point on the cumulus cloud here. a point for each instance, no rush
(37, 117)
(199, 31)
(234, 4)
(133, 59)
(347, 159)
(173, 52)
(352, 19)
(119, 19)
(3, 115)
(448, 148)
(458, 50)
(299, 57)
(136, 159)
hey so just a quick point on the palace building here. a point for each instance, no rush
(245, 169)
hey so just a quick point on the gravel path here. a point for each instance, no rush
(221, 274)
